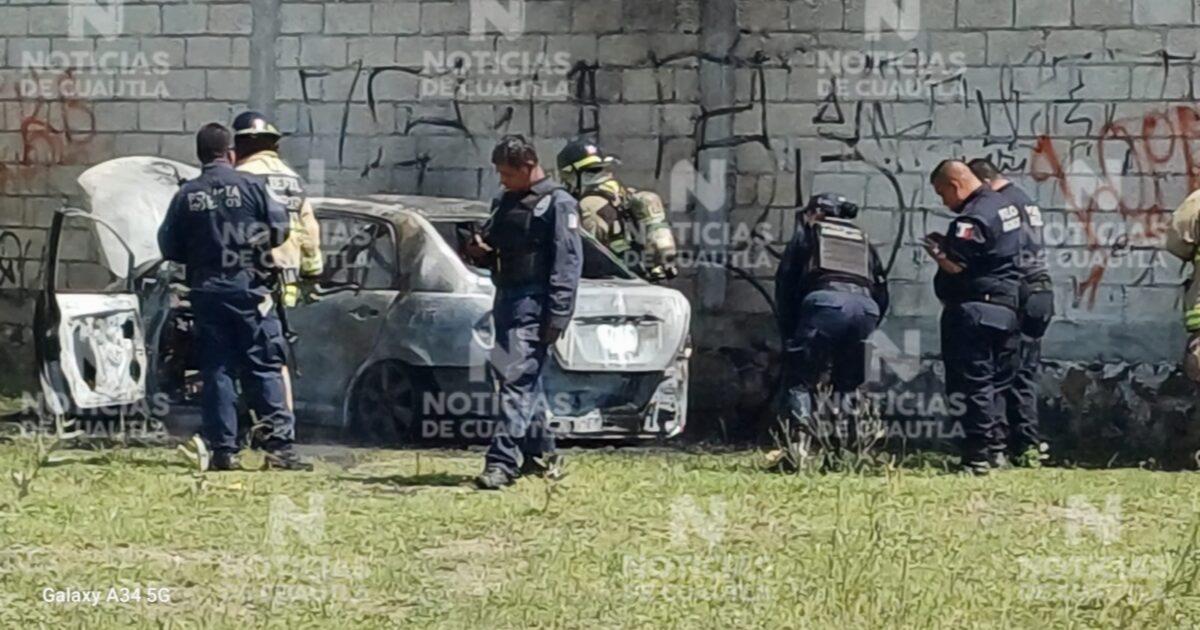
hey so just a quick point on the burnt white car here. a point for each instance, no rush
(394, 349)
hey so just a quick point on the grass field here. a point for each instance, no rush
(628, 539)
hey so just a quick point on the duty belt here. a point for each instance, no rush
(1040, 283)
(844, 287)
(998, 300)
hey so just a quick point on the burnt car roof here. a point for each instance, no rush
(435, 209)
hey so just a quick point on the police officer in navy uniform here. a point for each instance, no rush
(531, 243)
(1022, 438)
(830, 292)
(222, 226)
(978, 282)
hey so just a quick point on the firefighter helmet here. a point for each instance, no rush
(252, 123)
(582, 154)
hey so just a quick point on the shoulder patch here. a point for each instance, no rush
(572, 221)
(1010, 217)
(964, 231)
(543, 204)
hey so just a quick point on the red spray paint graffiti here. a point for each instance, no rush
(55, 129)
(1132, 158)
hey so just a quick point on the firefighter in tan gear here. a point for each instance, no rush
(299, 259)
(631, 223)
(1183, 240)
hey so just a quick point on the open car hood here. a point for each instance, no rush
(131, 195)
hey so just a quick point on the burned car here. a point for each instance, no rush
(395, 347)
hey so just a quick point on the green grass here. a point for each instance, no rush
(628, 539)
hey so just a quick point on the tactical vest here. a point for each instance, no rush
(522, 232)
(996, 277)
(1035, 270)
(841, 253)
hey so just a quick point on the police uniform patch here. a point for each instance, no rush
(965, 231)
(543, 204)
(1011, 218)
(572, 221)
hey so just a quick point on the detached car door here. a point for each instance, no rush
(91, 343)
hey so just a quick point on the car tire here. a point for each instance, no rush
(384, 405)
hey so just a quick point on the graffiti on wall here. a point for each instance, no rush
(57, 126)
(1105, 168)
(13, 253)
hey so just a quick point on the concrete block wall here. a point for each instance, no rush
(1089, 104)
(127, 78)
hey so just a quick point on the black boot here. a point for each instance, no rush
(224, 461)
(975, 467)
(545, 466)
(493, 478)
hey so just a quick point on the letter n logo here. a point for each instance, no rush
(107, 21)
(1081, 514)
(688, 519)
(508, 20)
(708, 190)
(904, 362)
(902, 16)
(308, 526)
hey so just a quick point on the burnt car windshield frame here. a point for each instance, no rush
(56, 235)
(394, 285)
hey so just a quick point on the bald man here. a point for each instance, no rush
(978, 282)
(1022, 435)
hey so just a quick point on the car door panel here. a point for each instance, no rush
(339, 332)
(102, 353)
(92, 343)
(336, 336)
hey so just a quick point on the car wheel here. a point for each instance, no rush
(383, 408)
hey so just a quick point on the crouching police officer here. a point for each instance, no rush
(298, 260)
(222, 226)
(531, 244)
(631, 223)
(830, 292)
(978, 282)
(1021, 435)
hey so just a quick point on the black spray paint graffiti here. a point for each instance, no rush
(12, 260)
(870, 132)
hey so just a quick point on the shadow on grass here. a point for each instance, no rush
(102, 460)
(427, 480)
